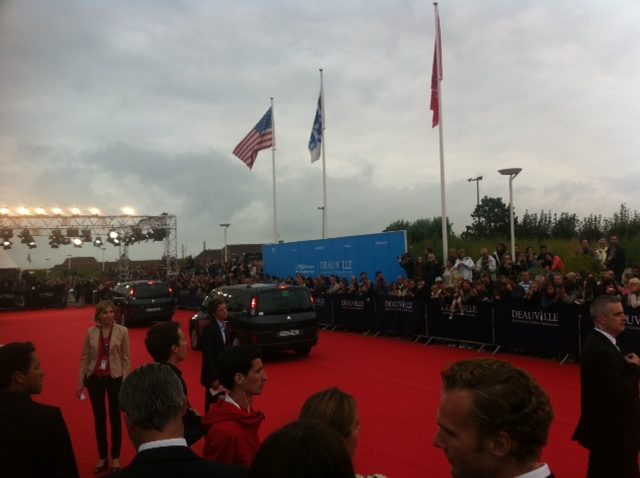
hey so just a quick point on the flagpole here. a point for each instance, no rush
(443, 198)
(325, 213)
(273, 163)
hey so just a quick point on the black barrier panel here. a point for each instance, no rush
(526, 326)
(324, 309)
(401, 316)
(629, 340)
(474, 325)
(354, 313)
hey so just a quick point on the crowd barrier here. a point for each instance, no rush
(558, 330)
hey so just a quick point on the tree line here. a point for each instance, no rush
(491, 219)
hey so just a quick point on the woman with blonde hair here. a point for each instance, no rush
(339, 411)
(105, 361)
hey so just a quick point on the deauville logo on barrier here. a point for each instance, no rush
(633, 322)
(535, 317)
(352, 304)
(467, 310)
(398, 305)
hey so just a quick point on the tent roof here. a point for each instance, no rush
(6, 262)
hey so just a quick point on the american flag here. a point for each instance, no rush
(259, 138)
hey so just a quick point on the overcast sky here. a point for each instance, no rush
(139, 103)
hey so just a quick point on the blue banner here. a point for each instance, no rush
(341, 256)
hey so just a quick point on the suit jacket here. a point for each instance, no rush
(119, 352)
(212, 346)
(34, 440)
(610, 417)
(176, 462)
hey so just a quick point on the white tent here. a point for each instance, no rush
(6, 262)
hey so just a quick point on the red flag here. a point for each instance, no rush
(436, 74)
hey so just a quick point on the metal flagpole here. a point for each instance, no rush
(443, 198)
(325, 211)
(273, 163)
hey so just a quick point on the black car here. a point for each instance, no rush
(270, 316)
(143, 300)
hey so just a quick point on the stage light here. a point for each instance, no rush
(32, 244)
(5, 211)
(75, 211)
(6, 233)
(86, 235)
(6, 244)
(23, 211)
(77, 242)
(114, 238)
(72, 232)
(41, 211)
(98, 242)
(157, 234)
(94, 210)
(57, 211)
(129, 211)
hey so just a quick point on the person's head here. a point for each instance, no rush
(602, 243)
(556, 279)
(543, 249)
(20, 369)
(241, 369)
(461, 253)
(166, 342)
(634, 285)
(526, 277)
(338, 410)
(613, 240)
(506, 258)
(304, 448)
(217, 308)
(491, 415)
(608, 314)
(501, 248)
(153, 403)
(466, 285)
(584, 244)
(105, 310)
(484, 252)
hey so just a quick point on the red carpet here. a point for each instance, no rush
(396, 383)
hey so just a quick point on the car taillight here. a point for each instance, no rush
(254, 305)
(132, 292)
(313, 300)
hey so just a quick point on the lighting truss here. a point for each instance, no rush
(131, 230)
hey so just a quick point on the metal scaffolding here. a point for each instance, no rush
(130, 230)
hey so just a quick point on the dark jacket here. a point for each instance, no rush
(34, 440)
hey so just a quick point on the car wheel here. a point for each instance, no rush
(194, 339)
(304, 351)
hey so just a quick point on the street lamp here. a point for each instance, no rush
(226, 255)
(477, 181)
(321, 208)
(512, 173)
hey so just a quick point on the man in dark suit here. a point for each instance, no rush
(153, 403)
(609, 425)
(34, 440)
(214, 342)
(493, 421)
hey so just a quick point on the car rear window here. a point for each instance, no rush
(283, 301)
(151, 290)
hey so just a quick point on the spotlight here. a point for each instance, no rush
(32, 244)
(114, 238)
(6, 233)
(26, 238)
(98, 242)
(6, 244)
(72, 232)
(157, 234)
(86, 235)
(77, 242)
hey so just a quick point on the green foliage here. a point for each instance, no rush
(534, 225)
(490, 218)
(591, 228)
(624, 223)
(420, 230)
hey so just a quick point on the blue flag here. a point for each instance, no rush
(315, 141)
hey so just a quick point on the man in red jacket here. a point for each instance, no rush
(233, 423)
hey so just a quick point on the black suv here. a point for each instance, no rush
(143, 300)
(270, 316)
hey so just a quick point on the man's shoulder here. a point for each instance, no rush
(13, 401)
(176, 461)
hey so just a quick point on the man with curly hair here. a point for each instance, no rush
(493, 421)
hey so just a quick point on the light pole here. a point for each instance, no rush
(69, 261)
(103, 249)
(226, 255)
(512, 173)
(321, 208)
(477, 181)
